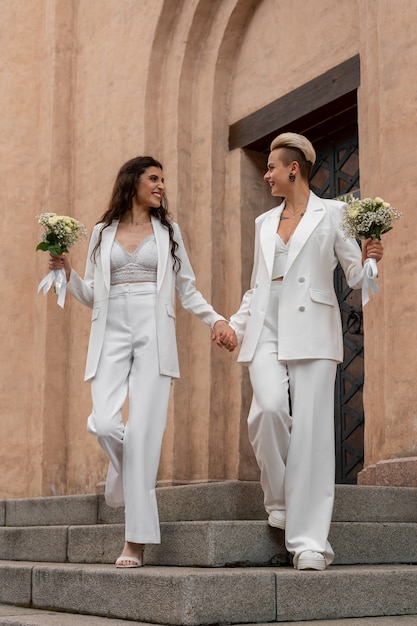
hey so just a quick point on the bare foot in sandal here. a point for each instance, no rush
(132, 555)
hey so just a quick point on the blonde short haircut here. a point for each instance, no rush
(297, 142)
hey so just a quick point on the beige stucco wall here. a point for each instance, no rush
(85, 85)
(387, 127)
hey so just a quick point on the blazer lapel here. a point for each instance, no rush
(107, 240)
(162, 244)
(314, 214)
(268, 235)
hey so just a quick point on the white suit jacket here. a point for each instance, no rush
(93, 291)
(309, 323)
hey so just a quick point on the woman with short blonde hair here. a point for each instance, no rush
(290, 331)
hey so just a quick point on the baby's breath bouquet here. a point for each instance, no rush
(368, 219)
(60, 233)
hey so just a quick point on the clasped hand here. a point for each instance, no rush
(224, 335)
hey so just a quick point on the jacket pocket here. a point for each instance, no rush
(323, 297)
(170, 311)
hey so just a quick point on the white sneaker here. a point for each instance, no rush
(311, 560)
(277, 519)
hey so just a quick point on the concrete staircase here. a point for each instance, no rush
(218, 563)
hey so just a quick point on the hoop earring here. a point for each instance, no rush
(291, 177)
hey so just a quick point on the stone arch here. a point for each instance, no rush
(188, 96)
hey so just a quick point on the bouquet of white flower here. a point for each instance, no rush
(60, 233)
(364, 219)
(368, 218)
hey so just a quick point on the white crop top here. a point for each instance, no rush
(137, 266)
(280, 258)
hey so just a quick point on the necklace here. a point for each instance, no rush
(294, 214)
(139, 222)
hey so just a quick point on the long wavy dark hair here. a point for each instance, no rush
(121, 202)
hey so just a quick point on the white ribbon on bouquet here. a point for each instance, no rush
(57, 278)
(367, 276)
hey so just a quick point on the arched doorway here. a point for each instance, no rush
(332, 127)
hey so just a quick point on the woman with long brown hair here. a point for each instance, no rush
(136, 262)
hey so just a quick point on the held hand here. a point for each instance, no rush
(224, 335)
(60, 262)
(372, 249)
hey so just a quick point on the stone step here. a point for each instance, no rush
(195, 596)
(17, 616)
(208, 544)
(228, 500)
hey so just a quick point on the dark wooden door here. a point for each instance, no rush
(336, 173)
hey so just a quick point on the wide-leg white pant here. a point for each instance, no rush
(291, 429)
(129, 365)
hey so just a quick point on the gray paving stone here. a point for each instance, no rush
(95, 544)
(16, 616)
(52, 511)
(372, 525)
(193, 596)
(34, 543)
(208, 544)
(398, 620)
(202, 544)
(355, 503)
(341, 592)
(242, 500)
(226, 500)
(219, 544)
(242, 542)
(370, 542)
(178, 596)
(108, 515)
(15, 583)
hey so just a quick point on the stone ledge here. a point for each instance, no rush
(176, 596)
(391, 472)
(209, 544)
(195, 596)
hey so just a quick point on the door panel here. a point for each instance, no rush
(336, 173)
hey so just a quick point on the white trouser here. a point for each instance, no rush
(294, 443)
(129, 365)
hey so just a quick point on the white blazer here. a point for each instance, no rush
(309, 323)
(93, 291)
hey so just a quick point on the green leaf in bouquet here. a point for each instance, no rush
(51, 238)
(386, 230)
(43, 246)
(56, 250)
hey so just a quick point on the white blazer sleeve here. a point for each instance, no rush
(239, 319)
(83, 289)
(347, 250)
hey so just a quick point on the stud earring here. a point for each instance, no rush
(291, 177)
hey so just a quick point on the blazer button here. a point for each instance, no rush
(301, 308)
(301, 279)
